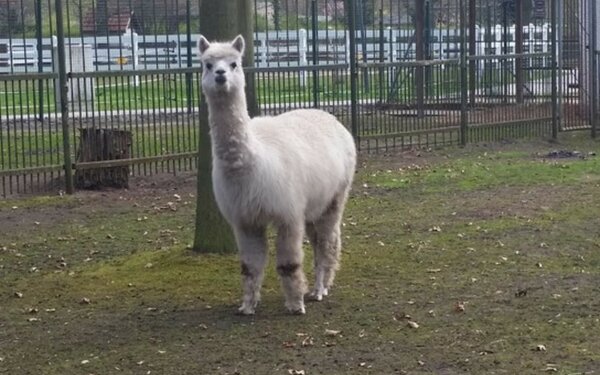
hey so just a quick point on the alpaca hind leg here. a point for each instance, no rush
(252, 245)
(327, 247)
(289, 266)
(311, 232)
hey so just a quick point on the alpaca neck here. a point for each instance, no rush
(228, 119)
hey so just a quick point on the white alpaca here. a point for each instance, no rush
(293, 171)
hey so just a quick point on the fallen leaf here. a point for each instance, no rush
(331, 332)
(308, 341)
(459, 306)
(402, 317)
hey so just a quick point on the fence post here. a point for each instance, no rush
(315, 53)
(353, 72)
(593, 68)
(560, 61)
(519, 77)
(188, 76)
(64, 101)
(472, 51)
(40, 57)
(420, 56)
(463, 76)
(554, 46)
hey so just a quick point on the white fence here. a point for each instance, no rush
(283, 48)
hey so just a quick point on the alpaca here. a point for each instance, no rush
(292, 171)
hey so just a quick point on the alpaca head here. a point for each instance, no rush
(222, 66)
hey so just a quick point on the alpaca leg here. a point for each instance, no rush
(327, 247)
(289, 266)
(252, 245)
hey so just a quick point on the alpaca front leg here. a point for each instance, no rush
(289, 267)
(252, 245)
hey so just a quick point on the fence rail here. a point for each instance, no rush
(401, 74)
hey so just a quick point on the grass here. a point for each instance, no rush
(40, 146)
(164, 91)
(500, 230)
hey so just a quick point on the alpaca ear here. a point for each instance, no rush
(203, 44)
(239, 44)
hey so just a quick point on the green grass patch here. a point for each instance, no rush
(489, 171)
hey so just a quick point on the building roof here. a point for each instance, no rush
(117, 23)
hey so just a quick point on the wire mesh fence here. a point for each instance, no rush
(398, 73)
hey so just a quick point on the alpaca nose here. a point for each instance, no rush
(220, 78)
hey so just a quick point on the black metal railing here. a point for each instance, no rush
(397, 73)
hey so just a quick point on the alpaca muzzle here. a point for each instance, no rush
(220, 78)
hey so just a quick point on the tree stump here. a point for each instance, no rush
(103, 145)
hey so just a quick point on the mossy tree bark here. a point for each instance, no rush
(220, 20)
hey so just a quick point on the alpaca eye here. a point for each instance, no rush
(209, 66)
(233, 65)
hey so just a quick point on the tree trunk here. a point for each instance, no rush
(219, 20)
(103, 145)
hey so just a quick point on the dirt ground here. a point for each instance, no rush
(478, 260)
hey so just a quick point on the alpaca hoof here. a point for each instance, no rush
(318, 294)
(315, 296)
(246, 310)
(296, 309)
(300, 311)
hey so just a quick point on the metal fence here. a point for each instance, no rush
(398, 73)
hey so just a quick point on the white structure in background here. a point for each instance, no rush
(131, 43)
(79, 59)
